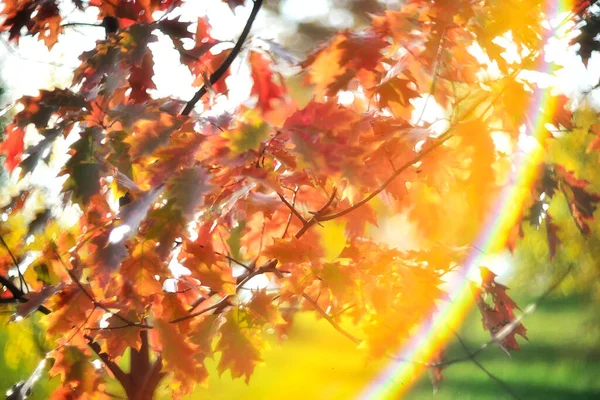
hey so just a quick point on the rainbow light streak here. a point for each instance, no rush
(398, 377)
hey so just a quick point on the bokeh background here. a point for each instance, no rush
(561, 359)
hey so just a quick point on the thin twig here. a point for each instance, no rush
(224, 302)
(499, 381)
(292, 211)
(14, 260)
(316, 215)
(292, 207)
(228, 61)
(329, 319)
(75, 24)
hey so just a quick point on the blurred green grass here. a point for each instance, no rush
(561, 361)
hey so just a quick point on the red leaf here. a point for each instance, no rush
(499, 317)
(140, 80)
(12, 146)
(263, 86)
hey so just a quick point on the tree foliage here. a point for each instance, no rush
(182, 211)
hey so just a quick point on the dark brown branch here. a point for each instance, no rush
(202, 300)
(15, 291)
(75, 24)
(228, 61)
(112, 366)
(316, 215)
(269, 266)
(15, 261)
(292, 208)
(220, 305)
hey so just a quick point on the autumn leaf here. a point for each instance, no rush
(83, 168)
(264, 87)
(117, 337)
(133, 214)
(239, 347)
(34, 300)
(12, 147)
(501, 313)
(188, 189)
(178, 354)
(78, 375)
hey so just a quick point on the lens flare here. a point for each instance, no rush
(398, 377)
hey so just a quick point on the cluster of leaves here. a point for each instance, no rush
(277, 189)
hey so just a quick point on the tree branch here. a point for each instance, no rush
(316, 215)
(471, 356)
(16, 262)
(227, 63)
(15, 291)
(112, 366)
(293, 211)
(330, 319)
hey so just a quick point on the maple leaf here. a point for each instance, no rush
(149, 135)
(331, 67)
(216, 276)
(35, 300)
(501, 315)
(140, 269)
(178, 354)
(395, 92)
(581, 202)
(41, 150)
(133, 214)
(287, 251)
(174, 28)
(239, 347)
(38, 110)
(47, 23)
(78, 375)
(233, 3)
(12, 147)
(83, 169)
(118, 337)
(140, 80)
(248, 134)
(264, 86)
(587, 39)
(262, 308)
(188, 188)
